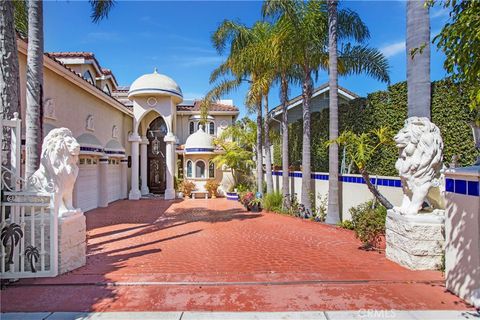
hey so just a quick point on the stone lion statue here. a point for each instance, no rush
(58, 169)
(419, 165)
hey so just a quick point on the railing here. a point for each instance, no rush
(29, 235)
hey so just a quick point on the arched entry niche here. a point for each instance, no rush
(156, 151)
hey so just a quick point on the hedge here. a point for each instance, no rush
(450, 112)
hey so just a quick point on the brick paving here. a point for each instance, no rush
(212, 255)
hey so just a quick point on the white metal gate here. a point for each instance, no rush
(28, 222)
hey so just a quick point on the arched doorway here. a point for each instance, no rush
(156, 156)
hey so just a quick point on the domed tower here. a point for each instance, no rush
(155, 98)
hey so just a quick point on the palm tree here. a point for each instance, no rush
(9, 71)
(33, 121)
(13, 233)
(32, 255)
(34, 109)
(247, 62)
(308, 25)
(418, 59)
(333, 211)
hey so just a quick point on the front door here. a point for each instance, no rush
(156, 156)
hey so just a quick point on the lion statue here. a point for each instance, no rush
(58, 169)
(420, 165)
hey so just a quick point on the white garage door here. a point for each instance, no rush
(114, 180)
(87, 184)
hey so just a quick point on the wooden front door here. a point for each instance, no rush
(157, 182)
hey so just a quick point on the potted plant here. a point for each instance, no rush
(247, 197)
(186, 187)
(211, 186)
(232, 194)
(256, 205)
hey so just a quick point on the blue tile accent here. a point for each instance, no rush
(199, 149)
(461, 186)
(91, 149)
(450, 185)
(398, 183)
(473, 189)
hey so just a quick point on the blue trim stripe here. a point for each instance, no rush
(396, 183)
(114, 152)
(200, 149)
(232, 196)
(465, 187)
(156, 89)
(91, 149)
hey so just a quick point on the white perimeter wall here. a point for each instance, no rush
(353, 190)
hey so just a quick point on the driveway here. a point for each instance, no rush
(212, 255)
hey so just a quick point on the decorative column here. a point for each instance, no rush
(143, 166)
(170, 161)
(135, 191)
(123, 178)
(103, 182)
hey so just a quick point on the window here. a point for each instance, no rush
(189, 169)
(192, 127)
(199, 169)
(211, 128)
(211, 170)
(88, 76)
(106, 89)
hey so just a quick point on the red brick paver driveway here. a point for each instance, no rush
(154, 255)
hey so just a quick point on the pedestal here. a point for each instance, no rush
(415, 241)
(72, 245)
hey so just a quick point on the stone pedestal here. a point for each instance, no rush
(415, 241)
(72, 233)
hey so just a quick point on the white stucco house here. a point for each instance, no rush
(134, 140)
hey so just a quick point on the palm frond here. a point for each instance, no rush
(100, 9)
(358, 59)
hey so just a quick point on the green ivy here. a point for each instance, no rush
(450, 112)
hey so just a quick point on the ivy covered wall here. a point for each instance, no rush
(450, 112)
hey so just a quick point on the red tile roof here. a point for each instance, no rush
(81, 54)
(213, 107)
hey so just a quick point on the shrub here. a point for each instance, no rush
(273, 201)
(186, 187)
(246, 198)
(346, 224)
(211, 186)
(368, 221)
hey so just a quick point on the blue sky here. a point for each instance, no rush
(174, 36)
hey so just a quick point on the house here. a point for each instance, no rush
(320, 100)
(134, 140)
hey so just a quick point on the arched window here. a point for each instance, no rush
(199, 169)
(189, 169)
(192, 127)
(211, 128)
(88, 76)
(211, 170)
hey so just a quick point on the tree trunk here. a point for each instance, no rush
(285, 177)
(307, 89)
(268, 153)
(333, 212)
(259, 150)
(418, 67)
(34, 87)
(9, 73)
(375, 191)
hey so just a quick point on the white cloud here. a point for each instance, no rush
(393, 49)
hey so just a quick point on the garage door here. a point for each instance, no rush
(87, 184)
(114, 180)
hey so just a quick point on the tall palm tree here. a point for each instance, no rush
(418, 59)
(247, 62)
(9, 71)
(34, 108)
(333, 212)
(33, 121)
(308, 25)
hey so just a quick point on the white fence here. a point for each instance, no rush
(352, 188)
(28, 222)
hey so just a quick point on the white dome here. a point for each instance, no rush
(199, 142)
(156, 84)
